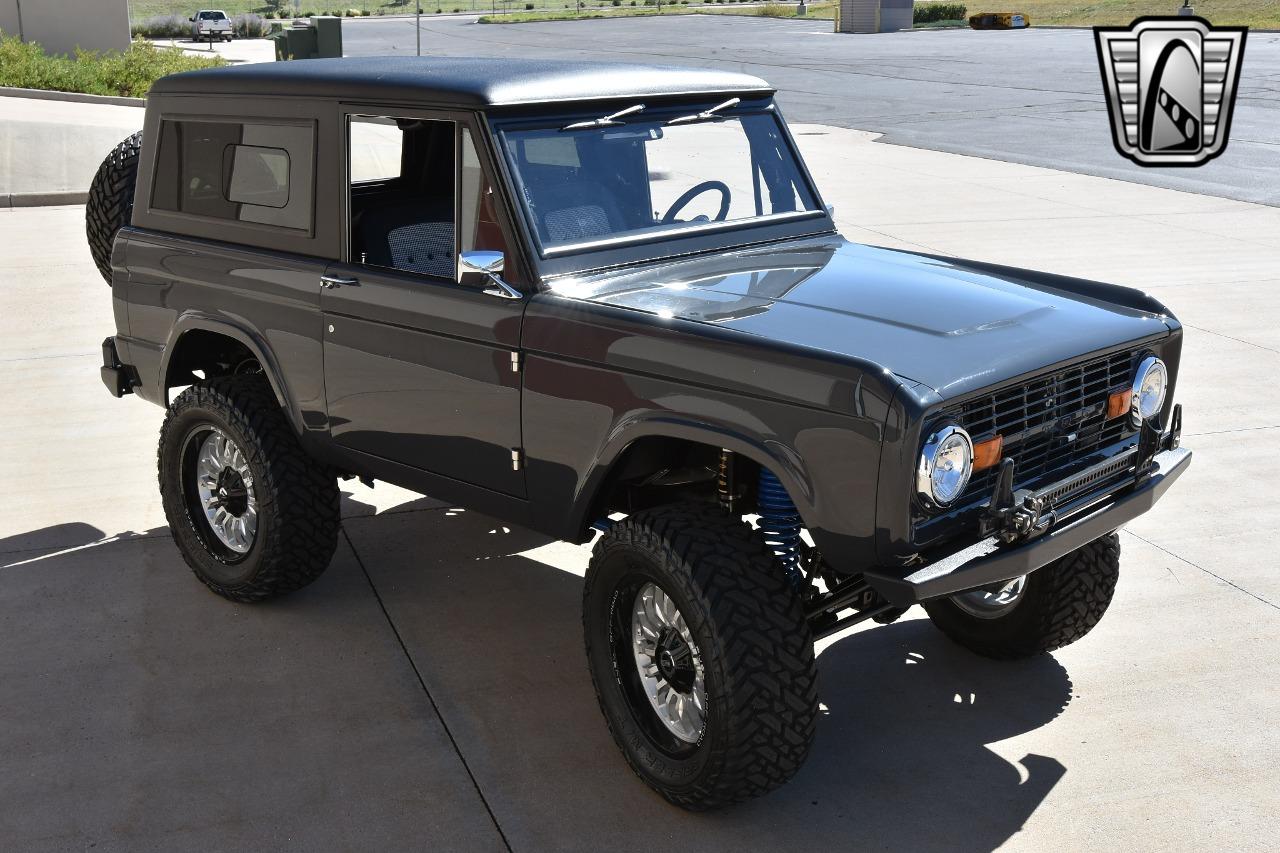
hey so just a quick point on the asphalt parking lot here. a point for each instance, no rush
(1031, 96)
(430, 691)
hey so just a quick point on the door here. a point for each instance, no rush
(419, 369)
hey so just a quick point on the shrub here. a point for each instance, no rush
(776, 10)
(528, 7)
(161, 27)
(129, 73)
(617, 2)
(364, 13)
(250, 26)
(928, 13)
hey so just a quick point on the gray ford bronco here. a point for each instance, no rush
(607, 301)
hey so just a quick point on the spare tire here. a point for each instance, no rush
(110, 204)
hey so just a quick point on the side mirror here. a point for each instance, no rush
(192, 20)
(482, 267)
(480, 262)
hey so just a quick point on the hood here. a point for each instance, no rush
(950, 324)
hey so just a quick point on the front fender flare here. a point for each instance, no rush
(782, 460)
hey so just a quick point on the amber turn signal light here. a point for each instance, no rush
(1118, 403)
(986, 454)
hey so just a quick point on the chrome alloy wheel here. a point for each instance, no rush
(993, 601)
(669, 663)
(224, 487)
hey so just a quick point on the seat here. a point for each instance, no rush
(411, 234)
(572, 212)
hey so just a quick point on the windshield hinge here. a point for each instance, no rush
(610, 120)
(707, 114)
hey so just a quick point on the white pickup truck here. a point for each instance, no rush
(210, 24)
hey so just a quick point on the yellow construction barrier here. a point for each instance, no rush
(999, 21)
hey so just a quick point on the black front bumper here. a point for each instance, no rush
(989, 562)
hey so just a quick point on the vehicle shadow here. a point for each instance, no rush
(900, 761)
(490, 617)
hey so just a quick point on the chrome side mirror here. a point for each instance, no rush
(480, 266)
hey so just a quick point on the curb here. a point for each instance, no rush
(79, 97)
(10, 200)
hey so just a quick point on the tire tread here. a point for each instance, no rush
(302, 496)
(766, 646)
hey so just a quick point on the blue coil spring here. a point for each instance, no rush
(780, 524)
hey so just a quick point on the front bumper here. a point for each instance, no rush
(990, 561)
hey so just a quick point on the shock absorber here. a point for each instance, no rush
(725, 486)
(780, 524)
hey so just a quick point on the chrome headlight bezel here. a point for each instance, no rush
(939, 439)
(1149, 365)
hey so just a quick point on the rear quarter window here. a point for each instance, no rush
(248, 172)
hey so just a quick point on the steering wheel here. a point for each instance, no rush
(695, 191)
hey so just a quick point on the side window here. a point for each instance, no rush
(476, 204)
(377, 149)
(401, 192)
(253, 172)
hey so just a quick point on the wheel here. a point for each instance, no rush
(252, 514)
(700, 655)
(110, 204)
(1045, 610)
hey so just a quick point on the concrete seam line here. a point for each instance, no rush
(46, 199)
(79, 97)
(422, 682)
(1195, 565)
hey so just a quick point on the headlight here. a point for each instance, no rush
(945, 465)
(1148, 389)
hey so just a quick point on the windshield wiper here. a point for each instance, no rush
(707, 114)
(610, 120)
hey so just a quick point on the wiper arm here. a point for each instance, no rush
(706, 114)
(610, 120)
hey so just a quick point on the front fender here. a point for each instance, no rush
(580, 419)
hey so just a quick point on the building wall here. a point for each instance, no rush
(63, 25)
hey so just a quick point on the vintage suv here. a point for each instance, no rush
(607, 300)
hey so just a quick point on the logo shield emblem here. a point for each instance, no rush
(1171, 86)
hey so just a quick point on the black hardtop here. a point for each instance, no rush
(471, 82)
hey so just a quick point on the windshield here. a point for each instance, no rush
(596, 182)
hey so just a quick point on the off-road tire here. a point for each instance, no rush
(298, 517)
(110, 204)
(1060, 604)
(756, 648)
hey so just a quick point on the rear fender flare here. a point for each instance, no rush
(195, 320)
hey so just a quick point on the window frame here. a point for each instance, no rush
(237, 230)
(693, 238)
(516, 264)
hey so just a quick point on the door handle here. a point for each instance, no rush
(329, 282)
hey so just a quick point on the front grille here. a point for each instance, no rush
(1049, 422)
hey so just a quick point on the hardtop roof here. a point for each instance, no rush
(472, 82)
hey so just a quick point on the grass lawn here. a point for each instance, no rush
(1253, 13)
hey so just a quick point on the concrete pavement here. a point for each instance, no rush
(430, 690)
(1027, 96)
